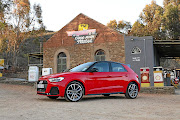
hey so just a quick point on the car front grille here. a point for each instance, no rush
(45, 85)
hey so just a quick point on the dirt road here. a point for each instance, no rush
(18, 102)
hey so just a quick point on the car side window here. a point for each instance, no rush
(102, 66)
(116, 67)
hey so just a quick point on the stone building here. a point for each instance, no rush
(82, 40)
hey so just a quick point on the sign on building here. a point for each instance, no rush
(84, 35)
(137, 59)
(82, 27)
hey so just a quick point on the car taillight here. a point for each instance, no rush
(137, 76)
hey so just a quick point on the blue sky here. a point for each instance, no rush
(57, 13)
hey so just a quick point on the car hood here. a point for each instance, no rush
(58, 75)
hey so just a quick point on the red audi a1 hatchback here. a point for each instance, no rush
(92, 78)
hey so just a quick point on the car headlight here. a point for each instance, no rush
(56, 79)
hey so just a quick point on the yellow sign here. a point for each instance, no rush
(1, 62)
(145, 85)
(82, 27)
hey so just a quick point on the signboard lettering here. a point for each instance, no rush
(85, 39)
(136, 59)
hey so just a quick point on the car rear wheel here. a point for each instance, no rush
(132, 90)
(74, 92)
(53, 97)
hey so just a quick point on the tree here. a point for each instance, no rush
(4, 6)
(138, 29)
(175, 2)
(21, 20)
(149, 22)
(159, 22)
(171, 20)
(112, 24)
(121, 26)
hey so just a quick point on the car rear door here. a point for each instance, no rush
(119, 76)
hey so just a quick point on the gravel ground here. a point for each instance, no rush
(19, 102)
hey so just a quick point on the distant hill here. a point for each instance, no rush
(32, 45)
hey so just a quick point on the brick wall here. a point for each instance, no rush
(107, 39)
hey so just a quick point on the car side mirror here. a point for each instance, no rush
(94, 70)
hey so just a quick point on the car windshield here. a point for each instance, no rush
(82, 67)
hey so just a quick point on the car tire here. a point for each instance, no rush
(74, 91)
(106, 95)
(131, 91)
(53, 97)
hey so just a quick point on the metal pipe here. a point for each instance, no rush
(144, 52)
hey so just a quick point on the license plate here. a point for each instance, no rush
(40, 85)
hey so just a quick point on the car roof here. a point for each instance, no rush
(109, 62)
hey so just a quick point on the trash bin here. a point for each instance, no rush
(158, 76)
(33, 74)
(145, 82)
(46, 71)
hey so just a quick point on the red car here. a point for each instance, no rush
(92, 78)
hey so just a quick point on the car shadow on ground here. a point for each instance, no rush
(95, 98)
(46, 99)
(85, 98)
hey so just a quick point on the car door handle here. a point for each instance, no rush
(109, 76)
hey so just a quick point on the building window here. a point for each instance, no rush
(61, 62)
(136, 50)
(100, 55)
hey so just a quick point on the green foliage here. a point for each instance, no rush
(150, 21)
(159, 22)
(121, 26)
(3, 45)
(174, 2)
(112, 24)
(171, 21)
(36, 41)
(17, 21)
(138, 29)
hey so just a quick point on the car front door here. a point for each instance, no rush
(98, 82)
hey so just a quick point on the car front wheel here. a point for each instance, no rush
(132, 90)
(74, 91)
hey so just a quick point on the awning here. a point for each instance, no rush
(168, 48)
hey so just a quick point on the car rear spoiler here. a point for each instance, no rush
(128, 65)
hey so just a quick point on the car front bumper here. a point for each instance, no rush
(47, 88)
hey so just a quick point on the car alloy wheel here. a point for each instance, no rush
(74, 92)
(132, 90)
